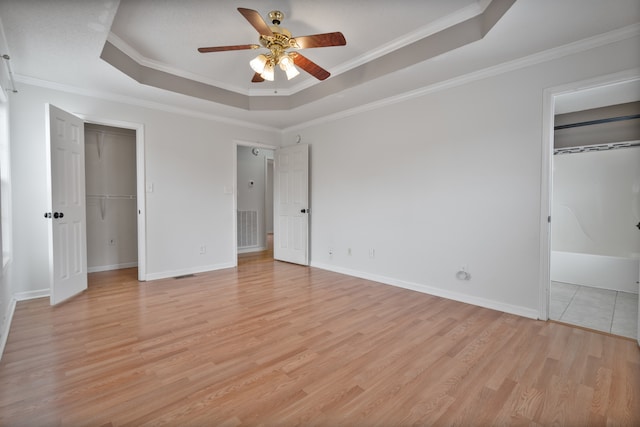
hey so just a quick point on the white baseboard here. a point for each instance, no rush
(40, 293)
(6, 326)
(100, 268)
(249, 250)
(183, 272)
(435, 291)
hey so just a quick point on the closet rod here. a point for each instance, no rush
(13, 83)
(597, 122)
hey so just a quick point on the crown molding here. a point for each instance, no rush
(430, 29)
(467, 24)
(536, 58)
(457, 17)
(548, 55)
(156, 65)
(106, 96)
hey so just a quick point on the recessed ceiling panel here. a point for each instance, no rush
(165, 34)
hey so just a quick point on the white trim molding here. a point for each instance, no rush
(39, 293)
(546, 179)
(186, 271)
(513, 65)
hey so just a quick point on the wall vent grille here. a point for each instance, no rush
(247, 229)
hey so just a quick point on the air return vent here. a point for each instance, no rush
(247, 229)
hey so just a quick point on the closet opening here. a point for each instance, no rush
(111, 192)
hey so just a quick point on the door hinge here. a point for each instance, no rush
(549, 219)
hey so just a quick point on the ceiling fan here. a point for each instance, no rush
(279, 41)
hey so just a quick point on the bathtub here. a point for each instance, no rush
(598, 271)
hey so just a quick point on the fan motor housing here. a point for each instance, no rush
(281, 38)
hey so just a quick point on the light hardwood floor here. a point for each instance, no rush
(271, 343)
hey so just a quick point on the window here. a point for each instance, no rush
(5, 182)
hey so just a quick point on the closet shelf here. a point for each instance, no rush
(110, 196)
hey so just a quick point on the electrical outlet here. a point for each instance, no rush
(203, 249)
(349, 251)
(372, 253)
(330, 252)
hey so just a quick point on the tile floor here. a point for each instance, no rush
(599, 309)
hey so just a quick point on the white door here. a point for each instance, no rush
(291, 204)
(66, 192)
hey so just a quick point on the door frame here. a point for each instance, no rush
(240, 143)
(140, 183)
(546, 175)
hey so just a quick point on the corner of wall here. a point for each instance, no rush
(6, 325)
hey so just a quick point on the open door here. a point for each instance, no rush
(291, 204)
(66, 192)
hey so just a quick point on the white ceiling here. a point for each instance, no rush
(59, 43)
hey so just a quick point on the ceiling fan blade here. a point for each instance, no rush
(309, 66)
(256, 21)
(226, 48)
(320, 40)
(256, 78)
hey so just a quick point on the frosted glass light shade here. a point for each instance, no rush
(267, 73)
(258, 63)
(291, 71)
(286, 64)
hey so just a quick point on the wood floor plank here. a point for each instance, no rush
(271, 343)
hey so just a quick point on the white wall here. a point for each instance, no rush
(596, 203)
(189, 161)
(449, 179)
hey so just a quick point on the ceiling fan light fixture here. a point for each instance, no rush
(292, 72)
(278, 40)
(284, 62)
(268, 73)
(258, 63)
(287, 65)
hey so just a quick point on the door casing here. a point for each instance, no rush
(236, 144)
(546, 174)
(140, 183)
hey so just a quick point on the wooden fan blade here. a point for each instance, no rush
(320, 40)
(226, 48)
(256, 21)
(309, 66)
(256, 78)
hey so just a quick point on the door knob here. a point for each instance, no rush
(304, 210)
(58, 215)
(47, 214)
